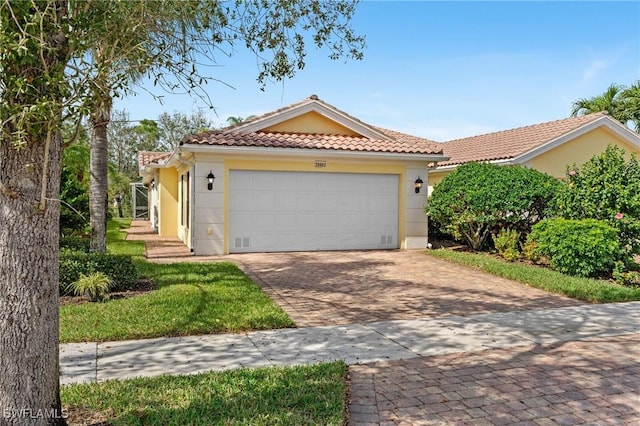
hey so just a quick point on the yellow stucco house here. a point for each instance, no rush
(548, 147)
(305, 177)
(311, 177)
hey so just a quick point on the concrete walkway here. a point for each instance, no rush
(355, 344)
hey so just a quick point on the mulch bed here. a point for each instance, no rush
(142, 286)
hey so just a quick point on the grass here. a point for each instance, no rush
(587, 289)
(266, 396)
(192, 299)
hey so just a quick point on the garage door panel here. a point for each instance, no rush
(298, 211)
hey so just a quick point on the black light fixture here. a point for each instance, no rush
(210, 179)
(417, 185)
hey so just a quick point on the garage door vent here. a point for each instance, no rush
(386, 240)
(241, 242)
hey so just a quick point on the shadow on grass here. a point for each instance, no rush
(292, 395)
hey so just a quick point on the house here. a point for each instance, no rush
(548, 147)
(305, 177)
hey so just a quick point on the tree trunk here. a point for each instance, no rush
(99, 172)
(29, 378)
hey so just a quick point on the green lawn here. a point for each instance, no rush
(193, 298)
(266, 396)
(589, 290)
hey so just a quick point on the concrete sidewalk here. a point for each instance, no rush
(355, 344)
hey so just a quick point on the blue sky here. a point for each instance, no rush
(444, 70)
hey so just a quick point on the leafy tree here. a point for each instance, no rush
(477, 199)
(606, 188)
(74, 201)
(176, 126)
(619, 102)
(47, 72)
(234, 121)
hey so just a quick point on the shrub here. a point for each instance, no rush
(74, 243)
(477, 199)
(94, 286)
(506, 243)
(606, 188)
(583, 248)
(118, 267)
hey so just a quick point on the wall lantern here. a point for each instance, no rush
(417, 185)
(210, 179)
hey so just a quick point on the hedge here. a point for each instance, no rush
(118, 267)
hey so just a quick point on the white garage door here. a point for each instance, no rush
(305, 211)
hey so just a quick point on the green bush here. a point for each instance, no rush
(74, 243)
(118, 267)
(606, 188)
(477, 199)
(94, 286)
(584, 248)
(506, 243)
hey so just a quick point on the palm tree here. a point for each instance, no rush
(234, 121)
(609, 101)
(630, 105)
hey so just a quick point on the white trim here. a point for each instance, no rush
(606, 121)
(309, 106)
(504, 162)
(302, 152)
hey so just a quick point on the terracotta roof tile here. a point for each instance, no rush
(400, 143)
(510, 143)
(151, 157)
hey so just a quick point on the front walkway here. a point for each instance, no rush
(471, 349)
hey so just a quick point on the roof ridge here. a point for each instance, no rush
(559, 120)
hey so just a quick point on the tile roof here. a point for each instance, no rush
(400, 143)
(511, 143)
(151, 157)
(246, 134)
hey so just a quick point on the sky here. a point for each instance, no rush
(443, 70)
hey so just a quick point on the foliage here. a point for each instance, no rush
(507, 242)
(74, 206)
(301, 395)
(75, 243)
(587, 289)
(173, 128)
(620, 102)
(94, 286)
(120, 268)
(530, 251)
(606, 188)
(477, 199)
(584, 248)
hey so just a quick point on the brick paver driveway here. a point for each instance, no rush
(592, 382)
(334, 288)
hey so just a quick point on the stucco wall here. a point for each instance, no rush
(211, 215)
(168, 202)
(311, 122)
(579, 151)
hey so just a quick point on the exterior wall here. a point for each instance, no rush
(211, 214)
(167, 185)
(311, 122)
(415, 218)
(208, 207)
(579, 151)
(435, 177)
(185, 197)
(154, 203)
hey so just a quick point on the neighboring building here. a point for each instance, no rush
(305, 177)
(547, 147)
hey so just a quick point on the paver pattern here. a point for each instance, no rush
(337, 288)
(595, 381)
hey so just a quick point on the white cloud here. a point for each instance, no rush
(594, 68)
